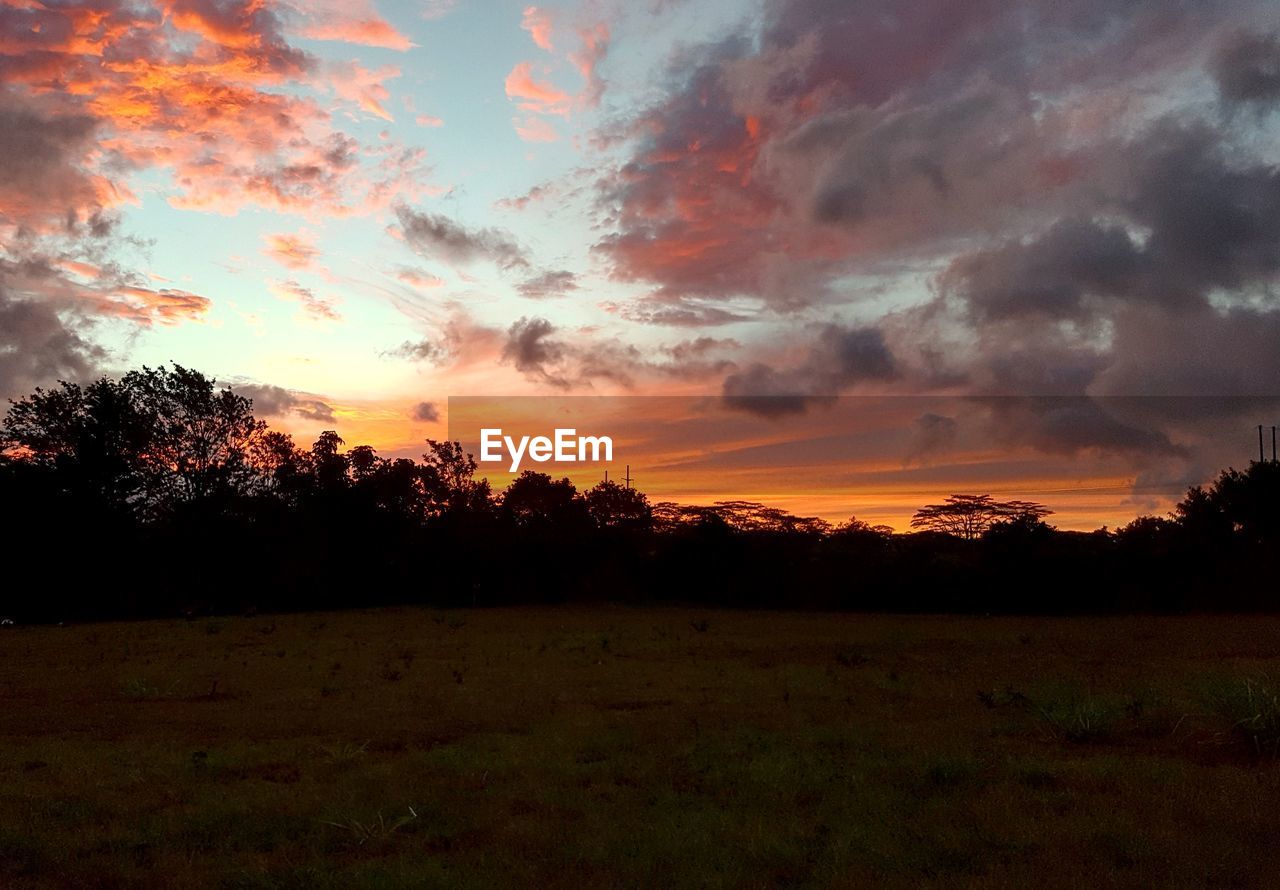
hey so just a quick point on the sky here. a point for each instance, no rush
(1035, 243)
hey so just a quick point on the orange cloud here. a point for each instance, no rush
(350, 21)
(293, 251)
(428, 120)
(193, 86)
(533, 95)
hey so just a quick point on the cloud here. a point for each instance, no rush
(428, 350)
(419, 278)
(677, 313)
(275, 401)
(534, 95)
(38, 346)
(536, 349)
(350, 21)
(428, 120)
(837, 359)
(425, 412)
(212, 93)
(539, 25)
(434, 236)
(1246, 67)
(532, 350)
(362, 86)
(43, 173)
(313, 306)
(534, 129)
(594, 43)
(549, 284)
(292, 251)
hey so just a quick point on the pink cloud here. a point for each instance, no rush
(350, 21)
(595, 45)
(428, 120)
(292, 251)
(364, 86)
(533, 95)
(313, 306)
(539, 25)
(535, 129)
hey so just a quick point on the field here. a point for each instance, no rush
(593, 747)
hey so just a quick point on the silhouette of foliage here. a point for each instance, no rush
(970, 516)
(158, 493)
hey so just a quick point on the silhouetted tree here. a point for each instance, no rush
(614, 506)
(151, 441)
(969, 516)
(536, 500)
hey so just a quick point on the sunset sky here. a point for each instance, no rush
(1037, 244)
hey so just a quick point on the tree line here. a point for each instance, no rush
(158, 493)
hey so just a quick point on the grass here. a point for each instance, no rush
(567, 747)
(1252, 707)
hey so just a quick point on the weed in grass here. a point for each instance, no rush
(701, 625)
(851, 658)
(375, 829)
(1252, 705)
(1082, 719)
(343, 753)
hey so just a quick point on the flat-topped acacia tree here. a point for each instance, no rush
(969, 516)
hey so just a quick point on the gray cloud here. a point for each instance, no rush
(39, 347)
(838, 359)
(434, 236)
(276, 401)
(425, 412)
(533, 351)
(1246, 67)
(548, 284)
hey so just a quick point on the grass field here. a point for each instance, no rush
(593, 747)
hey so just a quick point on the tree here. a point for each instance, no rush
(613, 506)
(969, 516)
(152, 441)
(535, 499)
(448, 480)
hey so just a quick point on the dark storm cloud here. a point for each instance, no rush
(1071, 425)
(842, 131)
(434, 236)
(1247, 68)
(838, 359)
(1051, 275)
(276, 401)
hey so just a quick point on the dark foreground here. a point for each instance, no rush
(640, 747)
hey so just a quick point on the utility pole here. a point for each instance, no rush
(1273, 443)
(1261, 455)
(627, 478)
